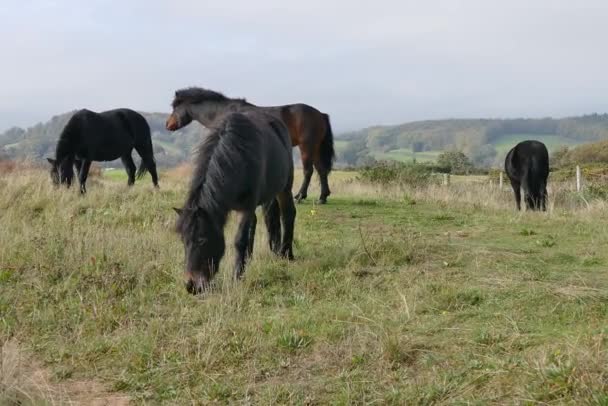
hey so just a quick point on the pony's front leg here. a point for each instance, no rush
(244, 241)
(307, 164)
(83, 174)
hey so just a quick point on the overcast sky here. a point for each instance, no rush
(363, 62)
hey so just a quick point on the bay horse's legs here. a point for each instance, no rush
(244, 242)
(127, 161)
(325, 192)
(307, 164)
(288, 217)
(82, 175)
(517, 190)
(272, 218)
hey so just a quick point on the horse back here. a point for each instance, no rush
(304, 122)
(528, 159)
(107, 135)
(274, 160)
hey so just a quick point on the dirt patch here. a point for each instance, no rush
(25, 381)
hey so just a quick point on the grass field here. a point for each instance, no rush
(430, 296)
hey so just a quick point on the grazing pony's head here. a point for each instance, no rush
(61, 172)
(204, 246)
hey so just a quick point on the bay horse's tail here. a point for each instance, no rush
(327, 153)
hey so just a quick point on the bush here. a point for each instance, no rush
(454, 162)
(397, 173)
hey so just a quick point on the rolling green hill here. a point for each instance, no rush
(484, 141)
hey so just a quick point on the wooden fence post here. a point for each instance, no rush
(500, 181)
(578, 178)
(446, 179)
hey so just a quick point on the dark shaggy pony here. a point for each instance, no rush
(106, 136)
(245, 162)
(309, 129)
(527, 166)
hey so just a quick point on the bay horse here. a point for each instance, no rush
(527, 166)
(245, 162)
(308, 128)
(89, 136)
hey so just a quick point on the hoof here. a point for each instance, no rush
(322, 201)
(287, 254)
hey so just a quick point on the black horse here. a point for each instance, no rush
(527, 166)
(245, 162)
(309, 128)
(105, 136)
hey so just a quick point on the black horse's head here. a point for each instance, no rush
(204, 247)
(61, 173)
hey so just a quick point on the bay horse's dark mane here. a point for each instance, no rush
(194, 95)
(216, 175)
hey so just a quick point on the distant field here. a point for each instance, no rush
(406, 155)
(340, 145)
(506, 142)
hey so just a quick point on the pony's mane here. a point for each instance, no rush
(221, 159)
(194, 95)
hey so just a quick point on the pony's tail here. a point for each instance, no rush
(327, 153)
(142, 170)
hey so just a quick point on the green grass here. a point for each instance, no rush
(406, 155)
(390, 300)
(506, 142)
(115, 174)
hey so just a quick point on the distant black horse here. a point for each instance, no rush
(106, 136)
(527, 166)
(309, 128)
(245, 162)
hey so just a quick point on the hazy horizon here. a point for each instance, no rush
(365, 64)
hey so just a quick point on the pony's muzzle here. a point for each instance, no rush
(172, 123)
(196, 283)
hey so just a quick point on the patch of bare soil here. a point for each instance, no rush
(23, 381)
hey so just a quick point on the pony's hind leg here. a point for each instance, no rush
(83, 173)
(272, 218)
(517, 190)
(244, 242)
(151, 166)
(307, 164)
(127, 161)
(288, 217)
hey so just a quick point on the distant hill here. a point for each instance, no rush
(484, 141)
(39, 141)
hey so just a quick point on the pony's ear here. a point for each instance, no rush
(178, 211)
(51, 161)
